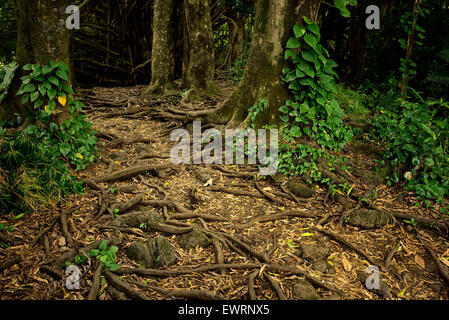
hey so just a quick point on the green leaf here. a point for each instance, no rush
(314, 28)
(25, 98)
(299, 30)
(114, 267)
(306, 68)
(42, 89)
(29, 87)
(311, 40)
(284, 109)
(293, 43)
(308, 55)
(54, 80)
(295, 131)
(38, 104)
(34, 96)
(51, 93)
(103, 245)
(307, 20)
(62, 74)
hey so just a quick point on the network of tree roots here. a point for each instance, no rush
(257, 229)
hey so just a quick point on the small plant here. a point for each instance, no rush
(411, 222)
(106, 255)
(255, 110)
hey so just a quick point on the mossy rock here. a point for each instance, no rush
(371, 176)
(194, 238)
(366, 148)
(299, 189)
(153, 253)
(278, 177)
(316, 254)
(368, 219)
(303, 290)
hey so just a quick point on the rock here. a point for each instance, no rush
(118, 156)
(299, 189)
(134, 219)
(304, 290)
(153, 253)
(203, 175)
(368, 219)
(166, 253)
(161, 173)
(278, 177)
(383, 290)
(192, 239)
(316, 254)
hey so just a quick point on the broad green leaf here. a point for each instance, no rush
(299, 30)
(293, 43)
(311, 40)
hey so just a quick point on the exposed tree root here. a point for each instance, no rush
(349, 245)
(131, 172)
(93, 292)
(275, 286)
(121, 285)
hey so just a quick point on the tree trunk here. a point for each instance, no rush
(41, 37)
(273, 26)
(162, 55)
(199, 69)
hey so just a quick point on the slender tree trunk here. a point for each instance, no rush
(199, 69)
(41, 37)
(162, 55)
(273, 26)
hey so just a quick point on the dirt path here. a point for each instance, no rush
(260, 242)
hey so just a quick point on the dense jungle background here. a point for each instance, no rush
(92, 207)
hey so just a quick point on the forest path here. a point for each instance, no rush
(262, 240)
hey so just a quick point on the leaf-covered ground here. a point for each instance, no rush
(258, 231)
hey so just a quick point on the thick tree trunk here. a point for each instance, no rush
(273, 26)
(162, 55)
(199, 68)
(41, 37)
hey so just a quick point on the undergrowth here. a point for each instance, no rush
(36, 161)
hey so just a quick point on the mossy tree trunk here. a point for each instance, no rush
(199, 61)
(41, 37)
(273, 26)
(162, 54)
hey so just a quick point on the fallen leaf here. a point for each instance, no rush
(346, 264)
(208, 183)
(420, 262)
(61, 241)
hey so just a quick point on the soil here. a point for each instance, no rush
(246, 230)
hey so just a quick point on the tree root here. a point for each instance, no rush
(130, 172)
(276, 216)
(93, 292)
(186, 294)
(121, 285)
(349, 245)
(251, 290)
(275, 286)
(207, 268)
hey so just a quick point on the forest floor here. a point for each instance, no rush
(261, 243)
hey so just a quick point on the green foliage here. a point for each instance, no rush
(33, 161)
(416, 32)
(47, 89)
(106, 255)
(6, 75)
(342, 6)
(255, 110)
(312, 110)
(417, 144)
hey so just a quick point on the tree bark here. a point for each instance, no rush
(41, 37)
(273, 26)
(162, 55)
(199, 68)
